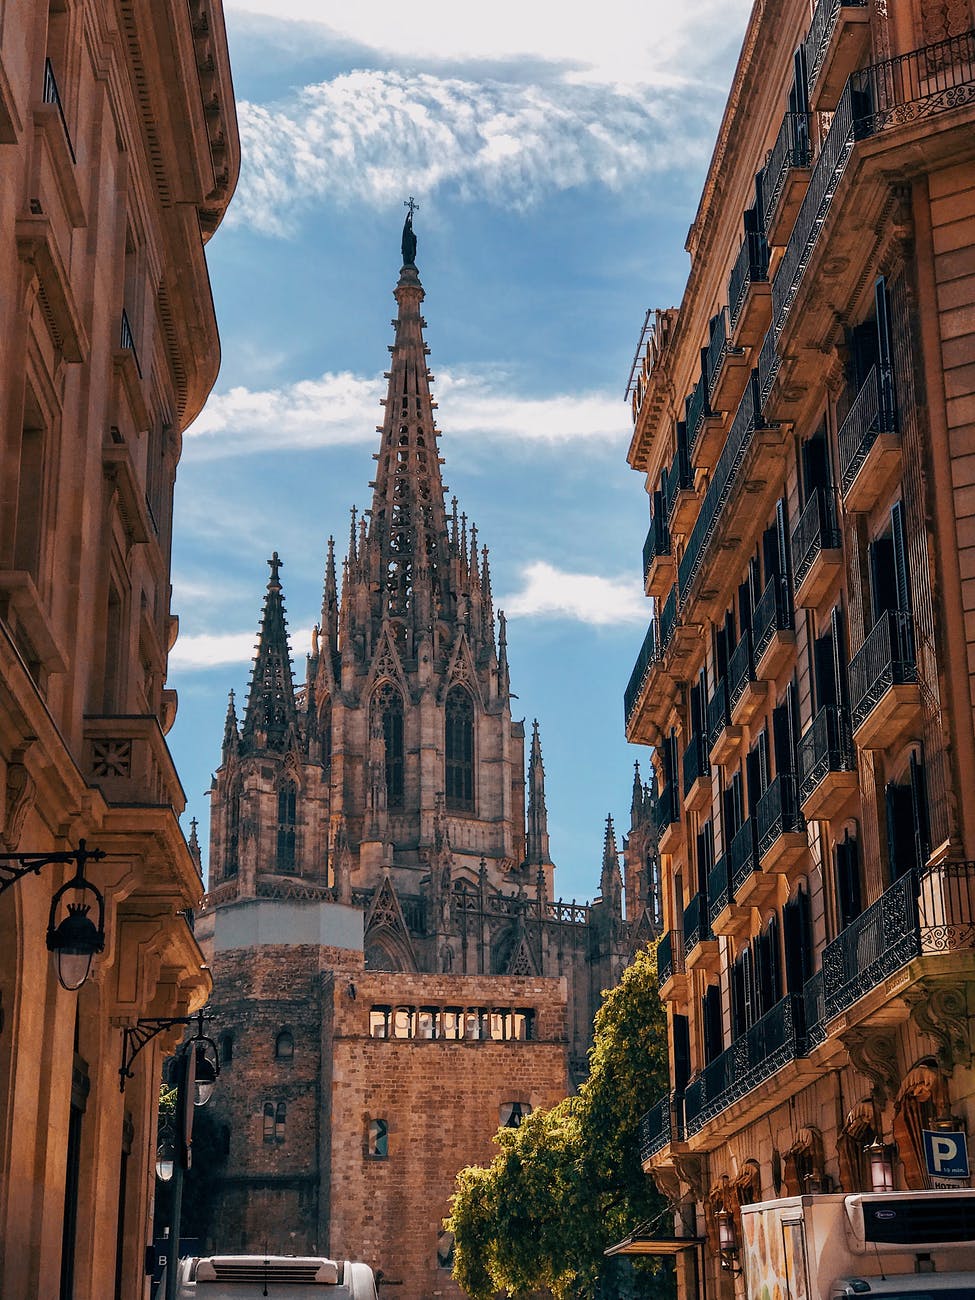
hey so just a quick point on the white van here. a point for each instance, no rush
(278, 1277)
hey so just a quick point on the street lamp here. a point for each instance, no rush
(165, 1154)
(881, 1166)
(76, 938)
(728, 1242)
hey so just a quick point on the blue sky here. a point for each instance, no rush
(557, 160)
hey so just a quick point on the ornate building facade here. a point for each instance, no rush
(805, 422)
(394, 975)
(118, 156)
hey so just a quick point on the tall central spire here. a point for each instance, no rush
(408, 539)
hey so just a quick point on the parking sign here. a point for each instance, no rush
(946, 1155)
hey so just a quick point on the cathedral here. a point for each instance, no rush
(394, 975)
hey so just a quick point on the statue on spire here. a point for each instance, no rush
(409, 238)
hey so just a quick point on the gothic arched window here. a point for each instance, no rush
(284, 1046)
(232, 849)
(459, 750)
(287, 819)
(325, 730)
(389, 702)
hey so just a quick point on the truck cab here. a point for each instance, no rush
(278, 1277)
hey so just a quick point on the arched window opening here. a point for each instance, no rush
(287, 829)
(269, 1121)
(377, 1139)
(389, 702)
(459, 750)
(325, 730)
(232, 852)
(284, 1046)
(225, 1046)
(280, 1117)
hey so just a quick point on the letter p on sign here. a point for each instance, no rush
(946, 1154)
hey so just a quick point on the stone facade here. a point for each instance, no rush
(386, 796)
(806, 423)
(118, 156)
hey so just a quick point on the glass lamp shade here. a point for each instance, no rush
(881, 1167)
(74, 943)
(206, 1077)
(727, 1240)
(165, 1160)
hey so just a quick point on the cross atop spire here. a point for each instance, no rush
(412, 204)
(275, 563)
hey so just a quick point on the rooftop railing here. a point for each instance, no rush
(874, 411)
(825, 747)
(885, 659)
(777, 812)
(792, 148)
(751, 267)
(815, 531)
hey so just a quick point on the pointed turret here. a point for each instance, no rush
(504, 680)
(231, 730)
(636, 802)
(611, 882)
(270, 718)
(193, 844)
(329, 626)
(537, 837)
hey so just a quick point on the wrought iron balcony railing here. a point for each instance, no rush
(741, 668)
(657, 541)
(51, 95)
(668, 619)
(648, 656)
(821, 31)
(792, 148)
(814, 1009)
(885, 659)
(697, 922)
(778, 812)
(815, 531)
(668, 807)
(747, 420)
(661, 1125)
(670, 956)
(874, 411)
(126, 341)
(696, 761)
(771, 1042)
(697, 411)
(718, 712)
(717, 350)
(721, 892)
(680, 477)
(743, 854)
(769, 364)
(773, 613)
(826, 747)
(751, 267)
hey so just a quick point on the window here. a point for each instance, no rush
(711, 1023)
(907, 821)
(379, 1022)
(225, 1046)
(377, 1139)
(511, 1113)
(269, 1122)
(232, 854)
(284, 1046)
(459, 750)
(287, 817)
(445, 1250)
(389, 703)
(846, 865)
(280, 1115)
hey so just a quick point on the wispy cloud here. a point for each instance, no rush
(341, 408)
(548, 592)
(218, 649)
(373, 135)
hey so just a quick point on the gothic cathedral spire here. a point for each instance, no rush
(270, 718)
(537, 818)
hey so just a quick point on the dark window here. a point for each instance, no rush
(682, 1053)
(284, 1046)
(226, 1047)
(280, 1116)
(390, 705)
(231, 856)
(797, 937)
(846, 864)
(459, 749)
(711, 1021)
(269, 1122)
(511, 1113)
(287, 818)
(377, 1139)
(907, 821)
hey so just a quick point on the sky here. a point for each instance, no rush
(557, 155)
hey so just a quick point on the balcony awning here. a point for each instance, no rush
(640, 1242)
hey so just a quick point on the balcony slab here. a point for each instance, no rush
(727, 745)
(755, 317)
(729, 384)
(705, 956)
(758, 889)
(659, 577)
(847, 48)
(822, 574)
(685, 511)
(733, 921)
(788, 855)
(895, 716)
(675, 987)
(777, 654)
(671, 837)
(875, 477)
(787, 208)
(830, 797)
(698, 797)
(750, 703)
(708, 444)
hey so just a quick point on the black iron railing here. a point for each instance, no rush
(792, 149)
(769, 364)
(660, 1126)
(751, 267)
(821, 33)
(696, 761)
(668, 619)
(815, 531)
(718, 712)
(718, 348)
(648, 656)
(778, 813)
(670, 956)
(697, 411)
(743, 854)
(127, 342)
(771, 1042)
(885, 659)
(773, 613)
(721, 892)
(51, 95)
(679, 477)
(826, 747)
(741, 668)
(657, 541)
(667, 810)
(747, 419)
(874, 411)
(814, 1009)
(697, 923)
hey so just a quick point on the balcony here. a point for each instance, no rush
(748, 292)
(700, 946)
(703, 425)
(773, 628)
(869, 444)
(724, 738)
(658, 555)
(785, 177)
(126, 756)
(670, 828)
(680, 499)
(738, 1073)
(697, 774)
(727, 917)
(746, 694)
(929, 912)
(781, 828)
(817, 554)
(884, 695)
(649, 656)
(838, 39)
(671, 971)
(51, 95)
(726, 366)
(752, 886)
(827, 765)
(661, 1126)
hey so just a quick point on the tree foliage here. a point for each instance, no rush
(568, 1182)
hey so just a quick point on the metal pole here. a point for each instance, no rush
(172, 1260)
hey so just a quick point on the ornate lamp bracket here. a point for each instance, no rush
(135, 1038)
(14, 866)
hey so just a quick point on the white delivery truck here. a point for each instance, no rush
(278, 1277)
(908, 1245)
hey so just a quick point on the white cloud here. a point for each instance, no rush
(548, 592)
(340, 409)
(218, 649)
(371, 136)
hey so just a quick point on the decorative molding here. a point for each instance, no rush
(940, 1010)
(873, 1054)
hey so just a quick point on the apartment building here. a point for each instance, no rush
(805, 422)
(118, 155)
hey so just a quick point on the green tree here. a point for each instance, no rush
(568, 1182)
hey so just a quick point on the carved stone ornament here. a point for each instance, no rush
(668, 1184)
(940, 1010)
(690, 1170)
(18, 798)
(874, 1054)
